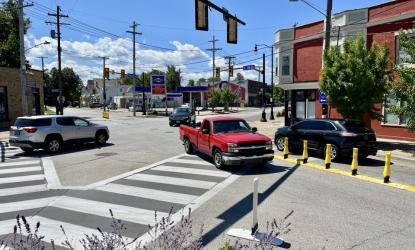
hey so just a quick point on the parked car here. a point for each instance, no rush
(95, 105)
(113, 106)
(182, 115)
(229, 140)
(138, 108)
(343, 135)
(51, 132)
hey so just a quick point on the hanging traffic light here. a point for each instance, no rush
(232, 31)
(217, 72)
(122, 73)
(201, 15)
(231, 70)
(107, 73)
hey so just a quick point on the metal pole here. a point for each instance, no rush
(22, 71)
(144, 98)
(60, 103)
(44, 80)
(264, 115)
(328, 25)
(271, 117)
(104, 93)
(134, 81)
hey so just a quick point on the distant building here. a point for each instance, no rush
(11, 94)
(299, 54)
(94, 90)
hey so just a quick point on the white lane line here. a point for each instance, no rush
(36, 177)
(215, 173)
(173, 181)
(149, 193)
(51, 176)
(19, 170)
(22, 190)
(132, 214)
(51, 229)
(19, 163)
(26, 204)
(197, 162)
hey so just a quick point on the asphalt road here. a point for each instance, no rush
(134, 142)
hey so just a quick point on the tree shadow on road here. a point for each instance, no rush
(242, 208)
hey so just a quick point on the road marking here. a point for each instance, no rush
(19, 163)
(132, 214)
(149, 193)
(19, 170)
(51, 176)
(192, 171)
(26, 204)
(22, 190)
(36, 177)
(173, 181)
(197, 162)
(348, 173)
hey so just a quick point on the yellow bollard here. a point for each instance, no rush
(106, 115)
(327, 160)
(354, 161)
(285, 147)
(305, 152)
(387, 169)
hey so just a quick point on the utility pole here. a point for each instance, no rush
(22, 71)
(213, 49)
(328, 25)
(264, 115)
(271, 117)
(134, 26)
(58, 23)
(104, 93)
(44, 79)
(144, 93)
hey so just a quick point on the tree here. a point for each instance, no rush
(227, 97)
(278, 95)
(200, 81)
(71, 85)
(349, 76)
(191, 83)
(214, 97)
(239, 77)
(403, 88)
(173, 78)
(147, 77)
(9, 34)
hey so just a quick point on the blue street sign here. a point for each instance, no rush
(55, 90)
(248, 67)
(157, 80)
(323, 98)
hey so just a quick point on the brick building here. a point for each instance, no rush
(300, 53)
(11, 94)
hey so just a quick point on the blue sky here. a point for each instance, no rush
(164, 23)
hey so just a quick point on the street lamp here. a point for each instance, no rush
(43, 43)
(271, 117)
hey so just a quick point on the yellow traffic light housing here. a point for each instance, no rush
(217, 72)
(201, 15)
(107, 73)
(232, 31)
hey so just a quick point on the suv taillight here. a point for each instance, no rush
(30, 130)
(348, 134)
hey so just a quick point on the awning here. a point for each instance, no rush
(302, 85)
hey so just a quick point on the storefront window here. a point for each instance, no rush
(391, 118)
(3, 104)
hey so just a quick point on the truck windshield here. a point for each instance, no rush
(230, 126)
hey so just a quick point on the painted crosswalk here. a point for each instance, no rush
(166, 187)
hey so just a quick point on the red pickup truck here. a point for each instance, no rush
(229, 140)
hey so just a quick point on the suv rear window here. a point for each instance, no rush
(33, 122)
(355, 126)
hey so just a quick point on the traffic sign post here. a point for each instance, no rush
(323, 98)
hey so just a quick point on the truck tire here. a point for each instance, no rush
(188, 148)
(217, 159)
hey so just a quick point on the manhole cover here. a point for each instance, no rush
(106, 154)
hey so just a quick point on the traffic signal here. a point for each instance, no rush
(217, 72)
(232, 31)
(201, 15)
(107, 73)
(231, 70)
(122, 73)
(324, 109)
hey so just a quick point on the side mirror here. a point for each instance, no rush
(254, 129)
(205, 131)
(198, 124)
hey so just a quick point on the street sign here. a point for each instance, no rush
(323, 98)
(55, 90)
(248, 67)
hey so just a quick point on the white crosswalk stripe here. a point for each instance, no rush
(19, 163)
(22, 190)
(192, 171)
(173, 181)
(196, 162)
(26, 204)
(19, 170)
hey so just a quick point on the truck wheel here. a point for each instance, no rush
(217, 159)
(188, 148)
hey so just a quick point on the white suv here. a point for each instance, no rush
(50, 132)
